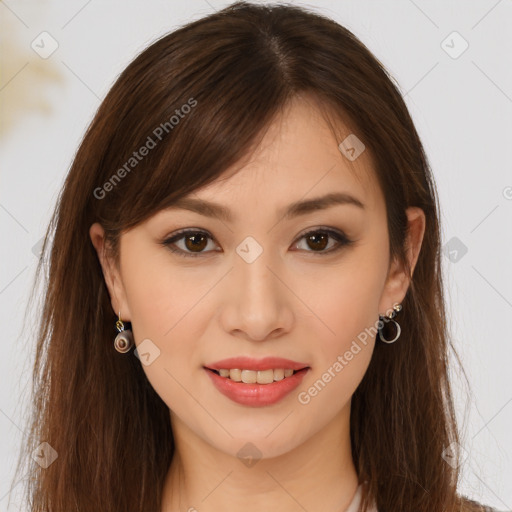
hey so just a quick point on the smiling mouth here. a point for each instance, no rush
(256, 377)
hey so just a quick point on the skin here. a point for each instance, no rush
(293, 301)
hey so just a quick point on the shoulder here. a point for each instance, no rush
(469, 505)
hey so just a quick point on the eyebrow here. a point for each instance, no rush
(293, 210)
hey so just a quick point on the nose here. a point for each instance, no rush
(258, 299)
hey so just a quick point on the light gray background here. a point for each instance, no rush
(461, 106)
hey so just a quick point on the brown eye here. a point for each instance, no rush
(194, 242)
(318, 240)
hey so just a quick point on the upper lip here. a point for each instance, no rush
(249, 363)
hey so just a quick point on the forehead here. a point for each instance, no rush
(298, 158)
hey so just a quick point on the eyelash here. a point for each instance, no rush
(340, 237)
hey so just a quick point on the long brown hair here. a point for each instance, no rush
(199, 99)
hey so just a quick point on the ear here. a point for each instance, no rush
(111, 273)
(398, 280)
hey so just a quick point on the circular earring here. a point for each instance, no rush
(124, 340)
(386, 319)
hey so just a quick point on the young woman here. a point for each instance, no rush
(244, 306)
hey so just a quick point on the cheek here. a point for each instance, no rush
(341, 356)
(149, 298)
(161, 296)
(345, 324)
(347, 302)
(161, 307)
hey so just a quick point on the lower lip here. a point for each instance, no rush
(257, 395)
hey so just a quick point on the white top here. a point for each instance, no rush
(356, 501)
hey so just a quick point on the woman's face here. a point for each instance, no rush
(255, 286)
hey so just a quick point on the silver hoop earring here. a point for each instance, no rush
(383, 320)
(124, 340)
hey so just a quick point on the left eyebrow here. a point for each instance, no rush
(210, 209)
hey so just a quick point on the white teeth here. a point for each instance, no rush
(279, 374)
(253, 377)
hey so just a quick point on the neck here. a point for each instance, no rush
(318, 474)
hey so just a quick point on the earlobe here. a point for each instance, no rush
(110, 273)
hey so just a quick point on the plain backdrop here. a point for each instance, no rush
(452, 62)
